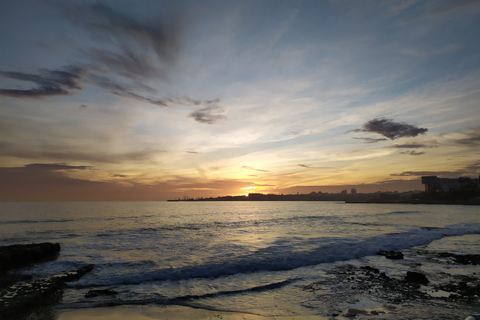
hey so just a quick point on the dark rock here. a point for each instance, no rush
(24, 298)
(445, 255)
(75, 275)
(96, 293)
(370, 269)
(461, 258)
(18, 256)
(467, 259)
(416, 277)
(394, 255)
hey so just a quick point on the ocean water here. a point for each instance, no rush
(251, 257)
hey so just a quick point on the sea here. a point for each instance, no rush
(252, 256)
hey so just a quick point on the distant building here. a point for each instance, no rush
(434, 184)
(353, 192)
(344, 192)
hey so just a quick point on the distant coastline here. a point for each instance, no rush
(410, 197)
(463, 190)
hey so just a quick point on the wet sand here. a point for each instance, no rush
(165, 313)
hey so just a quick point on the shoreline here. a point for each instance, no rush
(169, 312)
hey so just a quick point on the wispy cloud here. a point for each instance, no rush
(425, 173)
(59, 82)
(370, 140)
(469, 138)
(413, 145)
(255, 169)
(126, 41)
(390, 129)
(209, 115)
(413, 153)
(55, 166)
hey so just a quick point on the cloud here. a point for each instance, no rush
(370, 140)
(59, 82)
(311, 167)
(69, 154)
(126, 41)
(209, 115)
(413, 145)
(55, 166)
(390, 129)
(469, 169)
(252, 168)
(125, 90)
(469, 139)
(413, 153)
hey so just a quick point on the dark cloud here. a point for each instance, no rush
(126, 40)
(311, 167)
(55, 166)
(449, 174)
(59, 82)
(413, 153)
(471, 139)
(119, 176)
(125, 90)
(390, 129)
(252, 168)
(209, 115)
(128, 63)
(370, 140)
(125, 50)
(61, 155)
(413, 145)
(474, 167)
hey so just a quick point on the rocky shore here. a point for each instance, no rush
(368, 292)
(26, 297)
(413, 284)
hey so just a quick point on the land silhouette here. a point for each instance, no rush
(463, 190)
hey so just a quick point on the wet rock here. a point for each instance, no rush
(461, 258)
(104, 292)
(467, 290)
(370, 269)
(394, 255)
(416, 277)
(467, 259)
(352, 312)
(75, 275)
(18, 256)
(23, 298)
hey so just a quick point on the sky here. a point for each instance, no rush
(155, 100)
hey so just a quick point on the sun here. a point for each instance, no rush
(251, 188)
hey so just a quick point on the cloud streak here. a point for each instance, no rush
(412, 146)
(370, 140)
(130, 39)
(209, 115)
(48, 83)
(255, 169)
(55, 167)
(390, 129)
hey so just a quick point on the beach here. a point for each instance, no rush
(166, 313)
